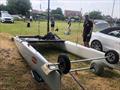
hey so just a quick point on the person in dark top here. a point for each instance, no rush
(87, 31)
(52, 24)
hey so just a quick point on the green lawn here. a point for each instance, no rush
(19, 28)
(14, 71)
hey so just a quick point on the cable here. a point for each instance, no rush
(39, 26)
(39, 22)
(77, 35)
(80, 85)
(78, 26)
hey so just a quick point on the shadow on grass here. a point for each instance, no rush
(108, 73)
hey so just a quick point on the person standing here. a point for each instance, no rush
(52, 24)
(87, 31)
(31, 18)
(69, 26)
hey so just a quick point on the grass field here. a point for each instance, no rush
(20, 28)
(15, 73)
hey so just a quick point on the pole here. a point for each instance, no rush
(48, 22)
(113, 8)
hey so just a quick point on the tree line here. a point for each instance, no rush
(23, 7)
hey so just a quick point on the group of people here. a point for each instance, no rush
(87, 29)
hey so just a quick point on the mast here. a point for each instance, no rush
(113, 8)
(48, 22)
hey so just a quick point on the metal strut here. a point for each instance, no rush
(80, 85)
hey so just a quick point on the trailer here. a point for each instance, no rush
(51, 73)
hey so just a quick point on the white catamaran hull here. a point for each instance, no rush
(36, 61)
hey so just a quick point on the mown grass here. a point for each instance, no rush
(12, 75)
(20, 28)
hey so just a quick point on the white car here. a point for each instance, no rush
(6, 17)
(106, 39)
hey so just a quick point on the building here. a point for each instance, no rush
(38, 14)
(37, 11)
(70, 13)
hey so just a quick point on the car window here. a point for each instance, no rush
(115, 33)
(109, 30)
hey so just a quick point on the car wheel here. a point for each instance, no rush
(96, 45)
(97, 68)
(112, 57)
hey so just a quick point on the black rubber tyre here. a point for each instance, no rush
(97, 68)
(12, 39)
(64, 63)
(112, 57)
(96, 45)
(36, 76)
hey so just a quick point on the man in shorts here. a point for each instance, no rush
(87, 31)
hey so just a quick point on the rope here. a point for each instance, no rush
(39, 22)
(80, 85)
(77, 38)
(77, 34)
(78, 27)
(39, 26)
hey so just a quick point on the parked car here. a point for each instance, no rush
(6, 17)
(17, 17)
(106, 39)
(100, 25)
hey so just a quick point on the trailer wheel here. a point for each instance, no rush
(36, 76)
(97, 68)
(112, 57)
(12, 39)
(64, 63)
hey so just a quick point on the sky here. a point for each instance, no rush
(105, 6)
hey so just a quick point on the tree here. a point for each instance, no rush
(3, 7)
(95, 15)
(57, 14)
(19, 6)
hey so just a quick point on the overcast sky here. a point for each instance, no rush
(105, 6)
